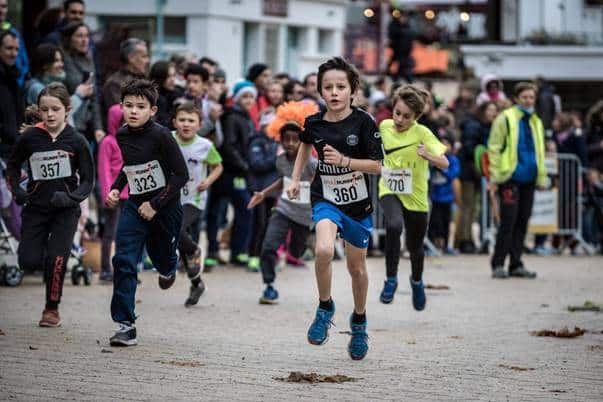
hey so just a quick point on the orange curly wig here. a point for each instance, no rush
(290, 113)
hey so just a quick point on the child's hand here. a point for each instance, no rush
(293, 190)
(258, 197)
(204, 185)
(332, 156)
(422, 151)
(112, 199)
(146, 211)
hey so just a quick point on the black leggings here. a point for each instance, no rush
(396, 217)
(46, 239)
(261, 214)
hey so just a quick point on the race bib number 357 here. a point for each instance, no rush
(344, 189)
(50, 165)
(398, 181)
(145, 177)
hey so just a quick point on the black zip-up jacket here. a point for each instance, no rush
(238, 128)
(11, 108)
(61, 192)
(152, 142)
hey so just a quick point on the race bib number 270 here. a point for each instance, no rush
(145, 177)
(398, 181)
(50, 165)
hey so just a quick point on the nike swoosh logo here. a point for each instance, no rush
(318, 140)
(389, 151)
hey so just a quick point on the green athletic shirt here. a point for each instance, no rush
(401, 153)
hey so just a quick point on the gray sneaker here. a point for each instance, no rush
(195, 294)
(522, 272)
(499, 273)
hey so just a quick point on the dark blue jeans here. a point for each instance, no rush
(160, 236)
(241, 227)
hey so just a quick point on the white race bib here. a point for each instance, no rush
(304, 191)
(145, 177)
(398, 181)
(50, 165)
(345, 188)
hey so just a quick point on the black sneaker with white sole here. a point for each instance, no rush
(124, 336)
(166, 282)
(195, 294)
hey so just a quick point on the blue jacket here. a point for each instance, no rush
(441, 181)
(526, 170)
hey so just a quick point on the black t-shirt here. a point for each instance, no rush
(357, 137)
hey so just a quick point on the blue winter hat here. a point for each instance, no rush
(242, 87)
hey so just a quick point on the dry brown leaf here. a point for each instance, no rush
(437, 287)
(515, 368)
(313, 378)
(562, 333)
(2, 333)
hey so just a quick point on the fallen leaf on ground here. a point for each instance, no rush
(2, 333)
(181, 363)
(515, 368)
(587, 306)
(412, 342)
(558, 391)
(455, 337)
(103, 350)
(544, 305)
(345, 332)
(138, 301)
(437, 287)
(313, 378)
(562, 333)
(596, 347)
(32, 347)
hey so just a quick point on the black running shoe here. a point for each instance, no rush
(124, 336)
(195, 294)
(194, 264)
(166, 282)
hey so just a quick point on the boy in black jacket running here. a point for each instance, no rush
(154, 171)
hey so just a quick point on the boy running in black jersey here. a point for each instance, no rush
(349, 146)
(155, 171)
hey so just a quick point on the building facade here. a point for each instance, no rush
(289, 35)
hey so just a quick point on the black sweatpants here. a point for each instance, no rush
(439, 221)
(190, 217)
(515, 200)
(396, 217)
(46, 239)
(109, 231)
(276, 235)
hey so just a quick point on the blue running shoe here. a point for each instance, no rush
(358, 346)
(418, 294)
(270, 295)
(389, 289)
(318, 333)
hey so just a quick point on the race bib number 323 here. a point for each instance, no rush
(145, 177)
(344, 189)
(50, 165)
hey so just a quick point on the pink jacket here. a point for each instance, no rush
(109, 155)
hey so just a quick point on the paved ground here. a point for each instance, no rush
(463, 347)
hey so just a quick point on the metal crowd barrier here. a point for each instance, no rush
(566, 175)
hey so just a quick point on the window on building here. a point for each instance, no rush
(326, 39)
(174, 28)
(271, 46)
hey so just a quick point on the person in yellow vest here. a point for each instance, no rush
(409, 148)
(516, 153)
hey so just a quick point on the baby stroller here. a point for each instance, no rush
(10, 273)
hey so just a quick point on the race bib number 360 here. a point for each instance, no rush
(144, 178)
(344, 189)
(398, 181)
(50, 165)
